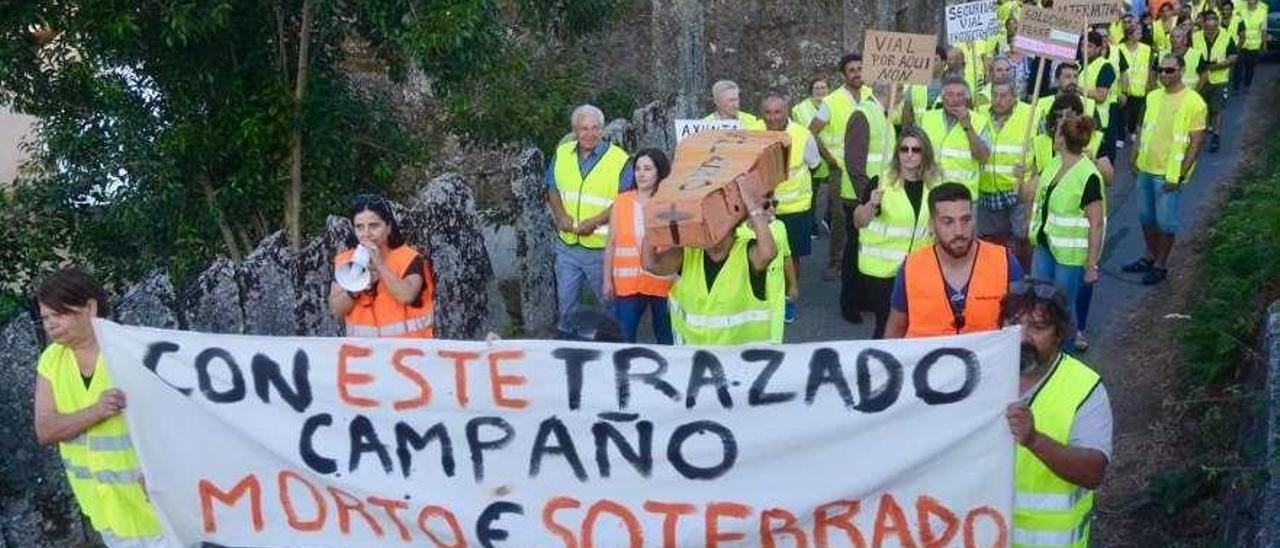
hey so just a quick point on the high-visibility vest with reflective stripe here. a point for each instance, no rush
(1161, 37)
(1214, 53)
(1066, 226)
(1048, 510)
(378, 314)
(749, 121)
(894, 232)
(803, 113)
(881, 137)
(1191, 72)
(1139, 68)
(975, 70)
(1172, 170)
(1089, 80)
(795, 194)
(919, 94)
(841, 103)
(1255, 24)
(1006, 152)
(584, 198)
(728, 312)
(629, 277)
(929, 312)
(951, 147)
(101, 466)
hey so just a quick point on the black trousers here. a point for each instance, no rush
(1248, 62)
(1133, 111)
(849, 308)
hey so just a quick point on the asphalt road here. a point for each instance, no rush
(819, 319)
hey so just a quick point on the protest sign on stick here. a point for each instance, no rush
(296, 441)
(1094, 12)
(1048, 33)
(971, 21)
(898, 59)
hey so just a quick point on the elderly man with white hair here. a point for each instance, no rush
(727, 98)
(582, 181)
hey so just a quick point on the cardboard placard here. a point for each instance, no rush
(1094, 12)
(685, 128)
(699, 203)
(971, 21)
(1048, 33)
(898, 57)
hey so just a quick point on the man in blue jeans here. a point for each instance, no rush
(1172, 130)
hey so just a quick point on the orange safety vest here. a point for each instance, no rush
(929, 311)
(629, 277)
(378, 314)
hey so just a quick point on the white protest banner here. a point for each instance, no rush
(1048, 33)
(971, 21)
(898, 57)
(685, 128)
(291, 441)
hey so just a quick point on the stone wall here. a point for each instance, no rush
(274, 291)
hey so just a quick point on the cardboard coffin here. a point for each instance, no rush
(699, 203)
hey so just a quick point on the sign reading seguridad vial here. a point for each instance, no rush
(971, 21)
(293, 441)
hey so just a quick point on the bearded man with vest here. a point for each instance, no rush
(955, 285)
(1062, 424)
(868, 149)
(726, 96)
(731, 292)
(78, 407)
(829, 125)
(1163, 158)
(1220, 54)
(583, 179)
(961, 137)
(794, 195)
(1252, 17)
(998, 182)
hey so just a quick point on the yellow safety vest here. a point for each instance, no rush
(1042, 148)
(1089, 80)
(951, 148)
(1139, 68)
(1191, 72)
(101, 467)
(1255, 24)
(894, 232)
(1066, 226)
(1162, 38)
(841, 103)
(795, 193)
(728, 312)
(803, 113)
(919, 95)
(1172, 171)
(586, 198)
(975, 72)
(881, 137)
(1214, 53)
(1048, 510)
(749, 121)
(1007, 151)
(1045, 104)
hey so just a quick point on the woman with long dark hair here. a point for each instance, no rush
(625, 281)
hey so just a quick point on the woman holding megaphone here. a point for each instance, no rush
(382, 287)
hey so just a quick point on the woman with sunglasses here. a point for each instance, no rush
(399, 298)
(1068, 213)
(893, 221)
(632, 288)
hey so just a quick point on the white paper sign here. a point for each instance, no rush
(971, 21)
(685, 128)
(291, 441)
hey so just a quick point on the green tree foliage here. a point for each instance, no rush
(164, 128)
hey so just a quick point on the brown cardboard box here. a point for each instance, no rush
(699, 203)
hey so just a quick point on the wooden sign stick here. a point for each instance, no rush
(1035, 109)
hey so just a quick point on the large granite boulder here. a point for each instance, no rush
(312, 274)
(150, 303)
(213, 302)
(535, 246)
(449, 233)
(267, 297)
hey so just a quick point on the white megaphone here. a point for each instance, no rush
(354, 276)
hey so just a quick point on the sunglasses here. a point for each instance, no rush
(913, 150)
(1168, 70)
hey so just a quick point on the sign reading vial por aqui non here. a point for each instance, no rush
(898, 58)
